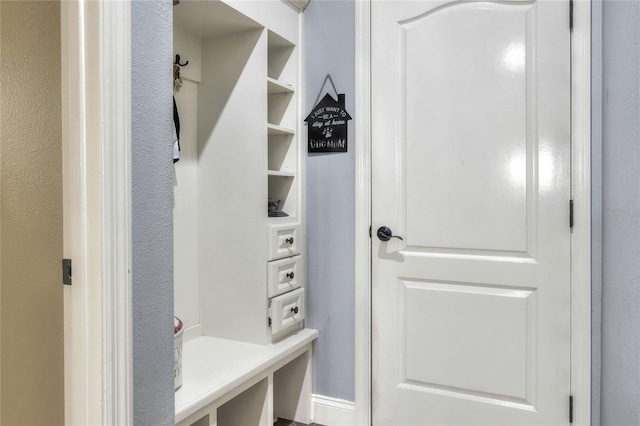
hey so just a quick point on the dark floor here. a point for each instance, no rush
(284, 422)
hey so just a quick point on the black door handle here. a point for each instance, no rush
(384, 234)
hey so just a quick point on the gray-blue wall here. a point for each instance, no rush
(620, 387)
(329, 47)
(152, 222)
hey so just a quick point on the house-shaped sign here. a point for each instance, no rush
(327, 125)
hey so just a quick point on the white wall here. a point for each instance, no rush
(185, 184)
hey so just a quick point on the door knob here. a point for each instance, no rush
(384, 234)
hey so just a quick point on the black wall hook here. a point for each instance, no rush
(177, 62)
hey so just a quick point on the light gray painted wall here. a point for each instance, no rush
(152, 223)
(620, 387)
(329, 47)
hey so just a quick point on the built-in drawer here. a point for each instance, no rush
(282, 241)
(287, 311)
(283, 275)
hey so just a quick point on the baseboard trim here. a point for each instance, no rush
(328, 411)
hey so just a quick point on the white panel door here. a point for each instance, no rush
(471, 167)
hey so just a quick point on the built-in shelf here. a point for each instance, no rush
(279, 52)
(213, 367)
(279, 173)
(272, 129)
(275, 87)
(242, 75)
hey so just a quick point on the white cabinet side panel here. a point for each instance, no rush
(232, 187)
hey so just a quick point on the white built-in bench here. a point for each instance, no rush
(226, 382)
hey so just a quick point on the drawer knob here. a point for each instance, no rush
(290, 275)
(289, 240)
(294, 310)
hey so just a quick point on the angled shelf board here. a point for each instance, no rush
(274, 130)
(274, 87)
(281, 174)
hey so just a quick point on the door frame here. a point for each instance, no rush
(580, 235)
(96, 120)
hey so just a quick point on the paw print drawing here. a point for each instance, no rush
(327, 132)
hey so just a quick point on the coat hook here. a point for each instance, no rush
(177, 62)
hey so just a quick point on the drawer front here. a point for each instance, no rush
(283, 275)
(282, 241)
(287, 311)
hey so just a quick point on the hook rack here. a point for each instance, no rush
(177, 62)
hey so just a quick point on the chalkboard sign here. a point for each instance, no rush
(327, 125)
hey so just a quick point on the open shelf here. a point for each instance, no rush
(280, 191)
(275, 87)
(279, 52)
(288, 382)
(248, 408)
(282, 174)
(280, 111)
(282, 156)
(281, 153)
(272, 129)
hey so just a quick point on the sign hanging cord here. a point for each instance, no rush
(328, 77)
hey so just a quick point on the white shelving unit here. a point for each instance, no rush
(239, 272)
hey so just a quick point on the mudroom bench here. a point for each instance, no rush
(227, 382)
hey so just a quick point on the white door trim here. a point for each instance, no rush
(363, 214)
(581, 192)
(580, 237)
(96, 94)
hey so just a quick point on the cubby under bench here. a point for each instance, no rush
(230, 383)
